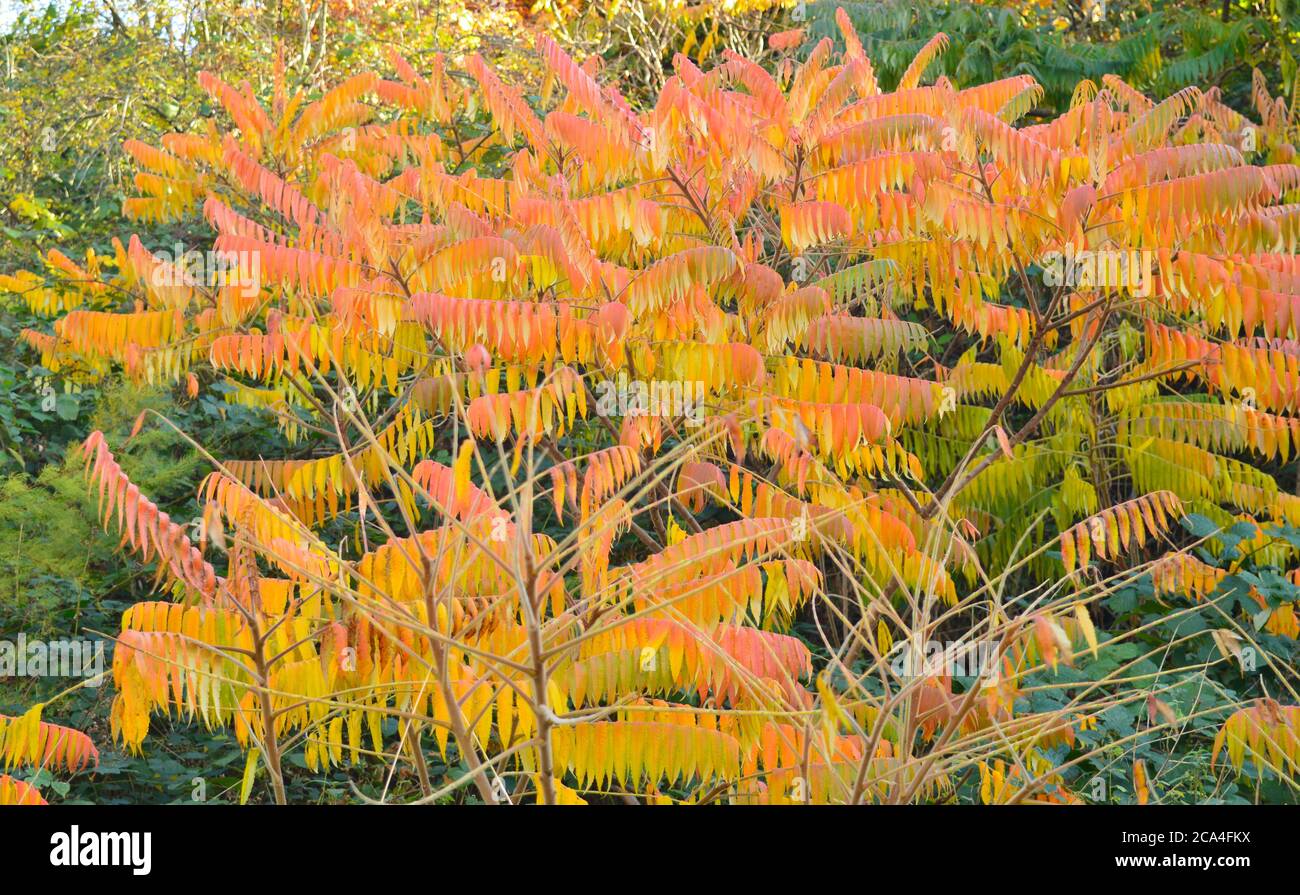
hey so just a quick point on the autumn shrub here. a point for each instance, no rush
(81, 79)
(783, 440)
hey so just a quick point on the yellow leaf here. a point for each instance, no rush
(250, 771)
(1085, 627)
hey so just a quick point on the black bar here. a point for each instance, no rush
(938, 844)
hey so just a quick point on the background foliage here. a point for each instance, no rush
(1158, 47)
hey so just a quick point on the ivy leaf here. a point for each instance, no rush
(67, 407)
(1199, 526)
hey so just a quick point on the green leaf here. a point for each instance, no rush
(67, 407)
